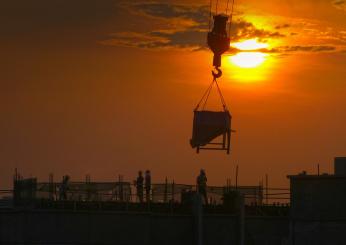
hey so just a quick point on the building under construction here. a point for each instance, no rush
(91, 212)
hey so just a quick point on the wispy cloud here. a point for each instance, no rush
(298, 48)
(185, 27)
(135, 40)
(189, 33)
(198, 14)
(340, 4)
(282, 26)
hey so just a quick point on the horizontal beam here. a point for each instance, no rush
(209, 148)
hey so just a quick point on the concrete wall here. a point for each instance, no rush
(266, 230)
(318, 197)
(340, 166)
(77, 227)
(220, 229)
(319, 232)
(65, 227)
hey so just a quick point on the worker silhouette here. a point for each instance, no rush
(64, 187)
(139, 186)
(202, 185)
(147, 185)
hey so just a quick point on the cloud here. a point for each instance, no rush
(157, 40)
(283, 26)
(245, 30)
(186, 27)
(135, 39)
(190, 32)
(340, 4)
(194, 38)
(198, 14)
(298, 48)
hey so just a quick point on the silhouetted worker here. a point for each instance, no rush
(202, 185)
(147, 185)
(139, 186)
(64, 187)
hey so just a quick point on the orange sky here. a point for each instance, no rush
(108, 87)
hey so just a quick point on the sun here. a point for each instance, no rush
(250, 44)
(248, 59)
(250, 55)
(251, 63)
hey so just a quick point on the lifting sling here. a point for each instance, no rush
(209, 125)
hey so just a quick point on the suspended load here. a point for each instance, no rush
(209, 125)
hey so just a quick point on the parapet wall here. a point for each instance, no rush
(81, 227)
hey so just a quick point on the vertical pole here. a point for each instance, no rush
(318, 169)
(236, 178)
(241, 219)
(260, 193)
(267, 189)
(15, 174)
(172, 200)
(165, 193)
(173, 191)
(292, 231)
(51, 186)
(121, 192)
(15, 187)
(87, 183)
(197, 211)
(223, 141)
(228, 141)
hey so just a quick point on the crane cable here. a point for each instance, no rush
(216, 8)
(206, 95)
(231, 17)
(217, 3)
(210, 14)
(232, 7)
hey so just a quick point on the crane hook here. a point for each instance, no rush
(218, 74)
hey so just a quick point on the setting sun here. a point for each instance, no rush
(248, 59)
(250, 55)
(251, 44)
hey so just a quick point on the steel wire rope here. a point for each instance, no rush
(231, 18)
(227, 7)
(210, 6)
(206, 100)
(221, 97)
(205, 93)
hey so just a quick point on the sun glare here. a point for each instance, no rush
(251, 44)
(249, 55)
(248, 59)
(250, 63)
